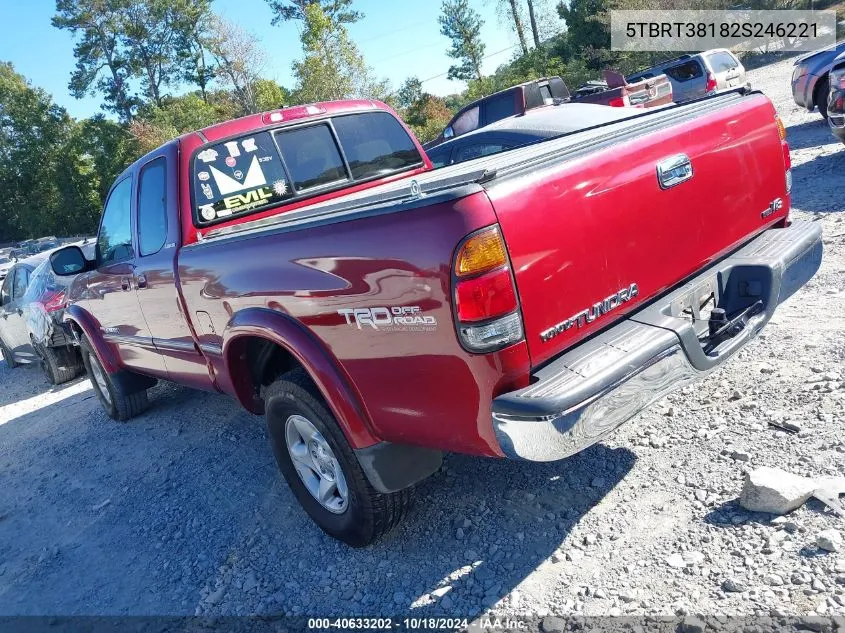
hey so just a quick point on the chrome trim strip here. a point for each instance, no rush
(135, 341)
(173, 345)
(211, 348)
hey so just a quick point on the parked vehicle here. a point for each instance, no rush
(309, 263)
(695, 76)
(14, 340)
(836, 98)
(43, 310)
(810, 87)
(621, 93)
(536, 125)
(511, 102)
(5, 264)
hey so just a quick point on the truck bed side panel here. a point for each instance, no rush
(584, 228)
(416, 382)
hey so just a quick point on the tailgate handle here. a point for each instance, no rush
(674, 170)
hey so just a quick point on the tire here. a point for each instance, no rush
(366, 515)
(54, 367)
(11, 363)
(117, 402)
(821, 97)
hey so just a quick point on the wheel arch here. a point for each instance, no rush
(259, 344)
(82, 323)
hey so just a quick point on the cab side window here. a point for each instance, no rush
(152, 209)
(114, 241)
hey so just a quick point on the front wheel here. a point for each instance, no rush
(117, 402)
(320, 467)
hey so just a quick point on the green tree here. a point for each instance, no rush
(338, 11)
(462, 25)
(409, 93)
(48, 184)
(240, 62)
(332, 67)
(270, 96)
(102, 62)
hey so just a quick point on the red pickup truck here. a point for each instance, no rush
(311, 264)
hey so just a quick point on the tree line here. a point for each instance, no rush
(135, 54)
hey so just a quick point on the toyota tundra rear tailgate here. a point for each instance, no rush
(628, 212)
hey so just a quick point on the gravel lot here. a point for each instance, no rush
(182, 511)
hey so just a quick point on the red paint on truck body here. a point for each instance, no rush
(576, 231)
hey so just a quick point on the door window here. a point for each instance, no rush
(468, 152)
(152, 207)
(499, 107)
(467, 122)
(114, 241)
(21, 282)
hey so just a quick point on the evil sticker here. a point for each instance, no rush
(227, 184)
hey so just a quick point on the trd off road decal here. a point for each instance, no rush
(392, 319)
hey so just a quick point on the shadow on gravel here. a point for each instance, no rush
(33, 384)
(182, 511)
(817, 183)
(809, 134)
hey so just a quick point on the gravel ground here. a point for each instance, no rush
(182, 511)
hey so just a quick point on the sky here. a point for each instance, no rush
(398, 38)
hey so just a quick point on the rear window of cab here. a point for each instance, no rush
(267, 168)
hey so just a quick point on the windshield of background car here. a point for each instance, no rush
(267, 168)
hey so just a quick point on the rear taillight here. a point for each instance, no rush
(619, 102)
(711, 83)
(486, 305)
(54, 301)
(787, 159)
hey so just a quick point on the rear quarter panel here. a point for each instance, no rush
(416, 384)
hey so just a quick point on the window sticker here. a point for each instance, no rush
(249, 145)
(280, 187)
(207, 212)
(203, 175)
(207, 155)
(207, 192)
(231, 162)
(238, 174)
(264, 159)
(232, 146)
(227, 184)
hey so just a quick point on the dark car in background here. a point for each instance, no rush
(510, 102)
(810, 82)
(31, 327)
(836, 98)
(534, 126)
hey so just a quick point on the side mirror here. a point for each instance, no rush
(448, 132)
(68, 261)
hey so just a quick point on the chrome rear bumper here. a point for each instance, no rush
(587, 392)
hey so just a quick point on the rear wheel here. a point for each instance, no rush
(117, 402)
(821, 97)
(7, 355)
(55, 366)
(320, 467)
